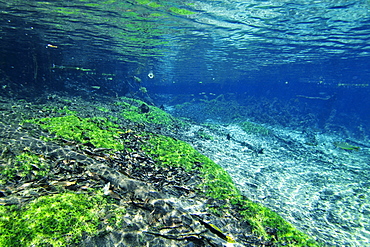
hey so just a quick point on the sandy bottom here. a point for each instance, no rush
(322, 190)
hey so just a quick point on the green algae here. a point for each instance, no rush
(171, 152)
(131, 111)
(55, 220)
(22, 166)
(149, 3)
(154, 116)
(263, 219)
(99, 132)
(103, 109)
(181, 11)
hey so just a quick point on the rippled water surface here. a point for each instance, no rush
(223, 39)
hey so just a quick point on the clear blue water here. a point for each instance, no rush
(263, 48)
(312, 55)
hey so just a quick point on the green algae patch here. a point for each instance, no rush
(271, 225)
(169, 151)
(24, 166)
(103, 109)
(155, 116)
(139, 112)
(99, 132)
(181, 11)
(53, 220)
(218, 184)
(149, 3)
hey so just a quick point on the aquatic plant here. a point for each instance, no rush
(55, 220)
(133, 111)
(22, 166)
(103, 109)
(100, 132)
(143, 90)
(181, 11)
(217, 183)
(271, 225)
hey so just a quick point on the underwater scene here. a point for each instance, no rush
(185, 123)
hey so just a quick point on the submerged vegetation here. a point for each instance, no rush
(24, 166)
(55, 220)
(63, 218)
(139, 112)
(100, 132)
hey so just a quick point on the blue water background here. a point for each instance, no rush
(266, 49)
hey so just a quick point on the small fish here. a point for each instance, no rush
(345, 146)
